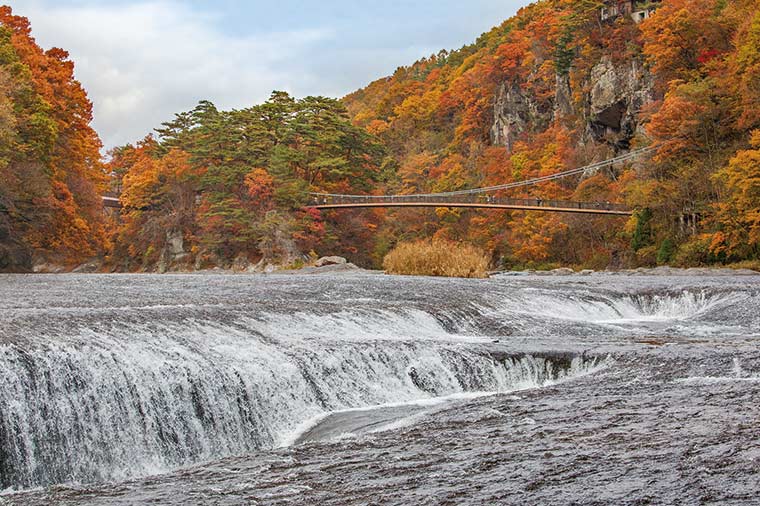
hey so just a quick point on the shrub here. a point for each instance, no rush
(437, 258)
(666, 251)
(696, 252)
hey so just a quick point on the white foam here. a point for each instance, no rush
(739, 375)
(524, 376)
(601, 308)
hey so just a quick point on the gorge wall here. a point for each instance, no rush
(611, 101)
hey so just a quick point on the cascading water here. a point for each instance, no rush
(102, 385)
(603, 307)
(142, 399)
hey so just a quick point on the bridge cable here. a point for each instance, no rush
(528, 182)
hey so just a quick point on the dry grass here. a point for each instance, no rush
(437, 258)
(746, 264)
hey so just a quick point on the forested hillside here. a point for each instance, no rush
(220, 187)
(562, 84)
(558, 87)
(555, 87)
(51, 172)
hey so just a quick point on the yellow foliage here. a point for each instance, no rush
(738, 214)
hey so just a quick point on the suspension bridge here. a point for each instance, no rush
(488, 197)
(482, 202)
(483, 198)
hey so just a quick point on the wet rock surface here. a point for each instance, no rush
(670, 417)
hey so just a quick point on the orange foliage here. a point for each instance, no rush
(680, 33)
(76, 227)
(260, 185)
(738, 215)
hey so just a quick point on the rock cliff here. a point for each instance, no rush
(611, 99)
(617, 95)
(514, 114)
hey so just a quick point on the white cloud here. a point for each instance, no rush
(142, 63)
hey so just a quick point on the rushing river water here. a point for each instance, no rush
(371, 389)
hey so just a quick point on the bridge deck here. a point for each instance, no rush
(509, 204)
(555, 206)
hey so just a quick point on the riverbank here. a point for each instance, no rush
(337, 265)
(641, 271)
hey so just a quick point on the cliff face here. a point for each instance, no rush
(515, 113)
(617, 96)
(612, 98)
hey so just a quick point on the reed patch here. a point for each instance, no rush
(437, 258)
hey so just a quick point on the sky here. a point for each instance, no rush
(143, 61)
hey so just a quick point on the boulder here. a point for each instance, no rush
(324, 261)
(564, 271)
(89, 267)
(329, 269)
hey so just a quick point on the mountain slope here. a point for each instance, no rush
(558, 86)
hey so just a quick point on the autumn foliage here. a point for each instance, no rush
(211, 187)
(50, 165)
(704, 59)
(233, 184)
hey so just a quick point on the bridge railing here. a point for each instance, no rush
(475, 199)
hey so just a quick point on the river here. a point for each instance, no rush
(361, 388)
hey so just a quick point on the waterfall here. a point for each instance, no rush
(139, 399)
(123, 381)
